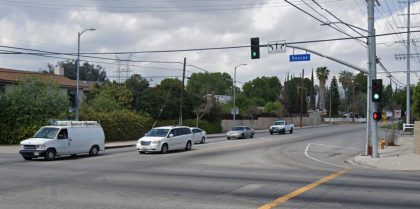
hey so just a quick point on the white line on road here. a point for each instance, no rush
(333, 164)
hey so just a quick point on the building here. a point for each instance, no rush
(9, 79)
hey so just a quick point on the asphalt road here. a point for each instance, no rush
(305, 169)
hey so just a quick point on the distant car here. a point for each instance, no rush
(199, 136)
(163, 139)
(240, 132)
(280, 127)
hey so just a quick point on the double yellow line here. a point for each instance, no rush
(306, 188)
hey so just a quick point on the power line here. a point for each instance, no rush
(134, 9)
(43, 52)
(322, 21)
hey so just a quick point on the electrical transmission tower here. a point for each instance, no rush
(123, 68)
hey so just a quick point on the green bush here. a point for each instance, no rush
(209, 127)
(120, 125)
(28, 107)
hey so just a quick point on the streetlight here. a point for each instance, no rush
(234, 93)
(77, 71)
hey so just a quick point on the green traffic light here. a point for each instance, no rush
(254, 53)
(376, 96)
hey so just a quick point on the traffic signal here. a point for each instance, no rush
(255, 48)
(376, 90)
(377, 116)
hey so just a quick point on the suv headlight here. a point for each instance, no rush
(40, 146)
(155, 142)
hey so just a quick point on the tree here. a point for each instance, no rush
(29, 106)
(107, 98)
(87, 72)
(322, 74)
(334, 97)
(360, 83)
(346, 80)
(387, 102)
(416, 102)
(312, 92)
(274, 107)
(163, 100)
(137, 85)
(294, 90)
(204, 108)
(205, 83)
(263, 90)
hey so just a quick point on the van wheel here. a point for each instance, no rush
(203, 140)
(188, 146)
(242, 136)
(164, 149)
(94, 151)
(49, 155)
(291, 130)
(252, 135)
(27, 158)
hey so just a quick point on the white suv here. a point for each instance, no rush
(163, 139)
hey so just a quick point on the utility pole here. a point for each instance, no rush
(408, 115)
(330, 107)
(301, 99)
(372, 75)
(408, 56)
(181, 102)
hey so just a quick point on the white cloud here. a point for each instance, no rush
(56, 30)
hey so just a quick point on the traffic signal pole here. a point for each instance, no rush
(372, 72)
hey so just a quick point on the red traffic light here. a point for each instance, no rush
(377, 116)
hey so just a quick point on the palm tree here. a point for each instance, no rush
(346, 80)
(322, 75)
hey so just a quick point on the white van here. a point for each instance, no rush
(166, 138)
(64, 138)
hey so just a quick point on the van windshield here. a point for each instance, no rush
(46, 132)
(279, 123)
(158, 132)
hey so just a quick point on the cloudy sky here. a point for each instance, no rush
(146, 25)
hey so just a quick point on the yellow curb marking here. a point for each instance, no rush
(306, 188)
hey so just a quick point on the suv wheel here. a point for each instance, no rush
(188, 146)
(164, 149)
(291, 130)
(203, 140)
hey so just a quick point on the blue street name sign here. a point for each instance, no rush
(299, 57)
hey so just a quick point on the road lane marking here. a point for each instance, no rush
(325, 162)
(304, 189)
(326, 145)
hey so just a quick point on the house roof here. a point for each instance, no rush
(13, 76)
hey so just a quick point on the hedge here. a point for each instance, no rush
(209, 127)
(121, 125)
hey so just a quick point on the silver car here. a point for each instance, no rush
(240, 132)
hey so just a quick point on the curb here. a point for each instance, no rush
(119, 146)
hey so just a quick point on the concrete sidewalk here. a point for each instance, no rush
(400, 157)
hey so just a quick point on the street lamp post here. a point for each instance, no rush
(234, 93)
(77, 71)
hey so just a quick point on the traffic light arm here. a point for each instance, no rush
(330, 58)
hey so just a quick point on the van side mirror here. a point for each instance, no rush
(171, 135)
